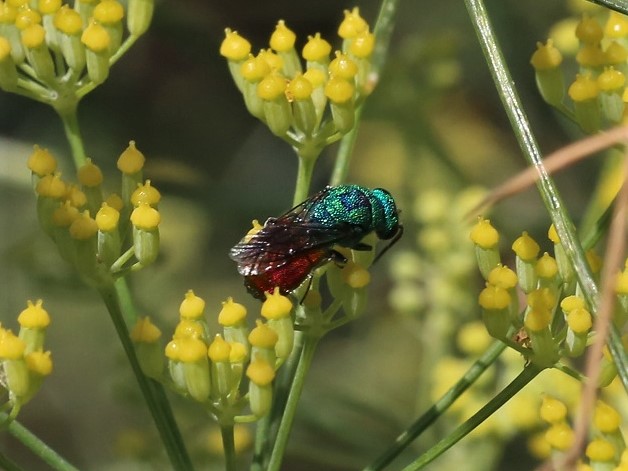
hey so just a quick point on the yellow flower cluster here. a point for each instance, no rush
(50, 50)
(598, 91)
(89, 227)
(23, 362)
(210, 368)
(292, 99)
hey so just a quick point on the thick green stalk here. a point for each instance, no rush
(528, 374)
(304, 176)
(550, 195)
(34, 444)
(68, 115)
(279, 448)
(152, 391)
(439, 407)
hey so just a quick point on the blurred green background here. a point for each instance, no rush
(434, 122)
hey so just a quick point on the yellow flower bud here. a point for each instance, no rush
(610, 80)
(272, 87)
(145, 217)
(315, 76)
(263, 336)
(51, 186)
(34, 316)
(260, 372)
(219, 350)
(48, 7)
(41, 162)
(144, 331)
(600, 450)
(355, 275)
(145, 194)
(339, 90)
(316, 49)
(589, 30)
(362, 45)
(503, 277)
(546, 56)
(108, 12)
(484, 234)
(525, 247)
(68, 21)
(579, 320)
(606, 419)
(352, 25)
(546, 266)
(560, 436)
(537, 320)
(107, 218)
(583, 88)
(65, 214)
(343, 67)
(192, 307)
(494, 297)
(234, 47)
(96, 37)
(283, 38)
(616, 25)
(114, 201)
(299, 88)
(11, 347)
(188, 328)
(254, 69)
(84, 227)
(33, 36)
(615, 54)
(26, 17)
(276, 306)
(231, 313)
(572, 302)
(39, 362)
(552, 410)
(89, 174)
(131, 160)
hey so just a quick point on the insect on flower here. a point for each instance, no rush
(289, 248)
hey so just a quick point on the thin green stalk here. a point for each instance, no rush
(528, 373)
(7, 465)
(304, 176)
(228, 445)
(289, 412)
(152, 391)
(345, 151)
(36, 445)
(550, 195)
(439, 407)
(69, 118)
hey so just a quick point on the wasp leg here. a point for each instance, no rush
(362, 247)
(339, 259)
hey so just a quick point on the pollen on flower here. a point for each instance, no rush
(583, 88)
(83, 227)
(283, 38)
(145, 217)
(11, 346)
(263, 336)
(144, 331)
(108, 12)
(339, 90)
(89, 174)
(234, 47)
(34, 316)
(546, 56)
(484, 234)
(41, 162)
(39, 362)
(219, 350)
(68, 21)
(363, 45)
(352, 25)
(525, 247)
(260, 372)
(316, 49)
(276, 306)
(33, 36)
(96, 37)
(192, 307)
(131, 160)
(107, 218)
(147, 194)
(232, 313)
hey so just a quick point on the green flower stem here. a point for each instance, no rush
(279, 448)
(228, 445)
(345, 151)
(549, 193)
(528, 373)
(34, 444)
(307, 160)
(115, 298)
(68, 116)
(439, 407)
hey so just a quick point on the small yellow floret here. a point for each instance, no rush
(621, 283)
(579, 320)
(589, 30)
(560, 436)
(615, 54)
(254, 69)
(65, 214)
(263, 336)
(606, 418)
(572, 302)
(546, 56)
(5, 50)
(299, 88)
(145, 217)
(68, 21)
(343, 67)
(272, 87)
(356, 276)
(26, 17)
(600, 450)
(115, 201)
(192, 307)
(260, 372)
(51, 186)
(48, 7)
(590, 55)
(276, 306)
(144, 331)
(552, 410)
(352, 25)
(315, 76)
(583, 88)
(108, 12)
(537, 319)
(96, 37)
(494, 297)
(39, 363)
(145, 193)
(232, 313)
(283, 38)
(41, 162)
(616, 25)
(89, 174)
(610, 80)
(219, 350)
(484, 234)
(553, 235)
(472, 338)
(234, 47)
(75, 196)
(11, 346)
(188, 328)
(274, 61)
(362, 45)
(34, 316)
(238, 352)
(541, 298)
(595, 262)
(107, 218)
(503, 277)
(339, 90)
(83, 227)
(546, 266)
(131, 160)
(316, 49)
(191, 349)
(33, 36)
(525, 247)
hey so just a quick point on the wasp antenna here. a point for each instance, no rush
(392, 242)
